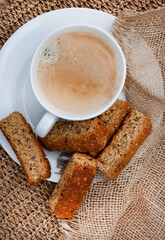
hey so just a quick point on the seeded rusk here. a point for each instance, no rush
(124, 144)
(77, 136)
(26, 146)
(114, 116)
(73, 185)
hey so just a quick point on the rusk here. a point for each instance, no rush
(77, 136)
(124, 144)
(26, 146)
(74, 183)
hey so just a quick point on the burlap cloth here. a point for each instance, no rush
(132, 206)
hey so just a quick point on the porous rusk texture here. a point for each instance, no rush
(77, 136)
(74, 183)
(125, 143)
(114, 116)
(26, 146)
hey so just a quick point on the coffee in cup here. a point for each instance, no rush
(77, 73)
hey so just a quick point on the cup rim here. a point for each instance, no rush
(58, 32)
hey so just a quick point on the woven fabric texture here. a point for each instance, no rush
(132, 206)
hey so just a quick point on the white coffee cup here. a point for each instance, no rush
(52, 114)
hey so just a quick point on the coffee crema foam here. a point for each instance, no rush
(77, 73)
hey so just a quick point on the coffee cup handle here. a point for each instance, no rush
(45, 124)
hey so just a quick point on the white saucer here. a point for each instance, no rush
(15, 57)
